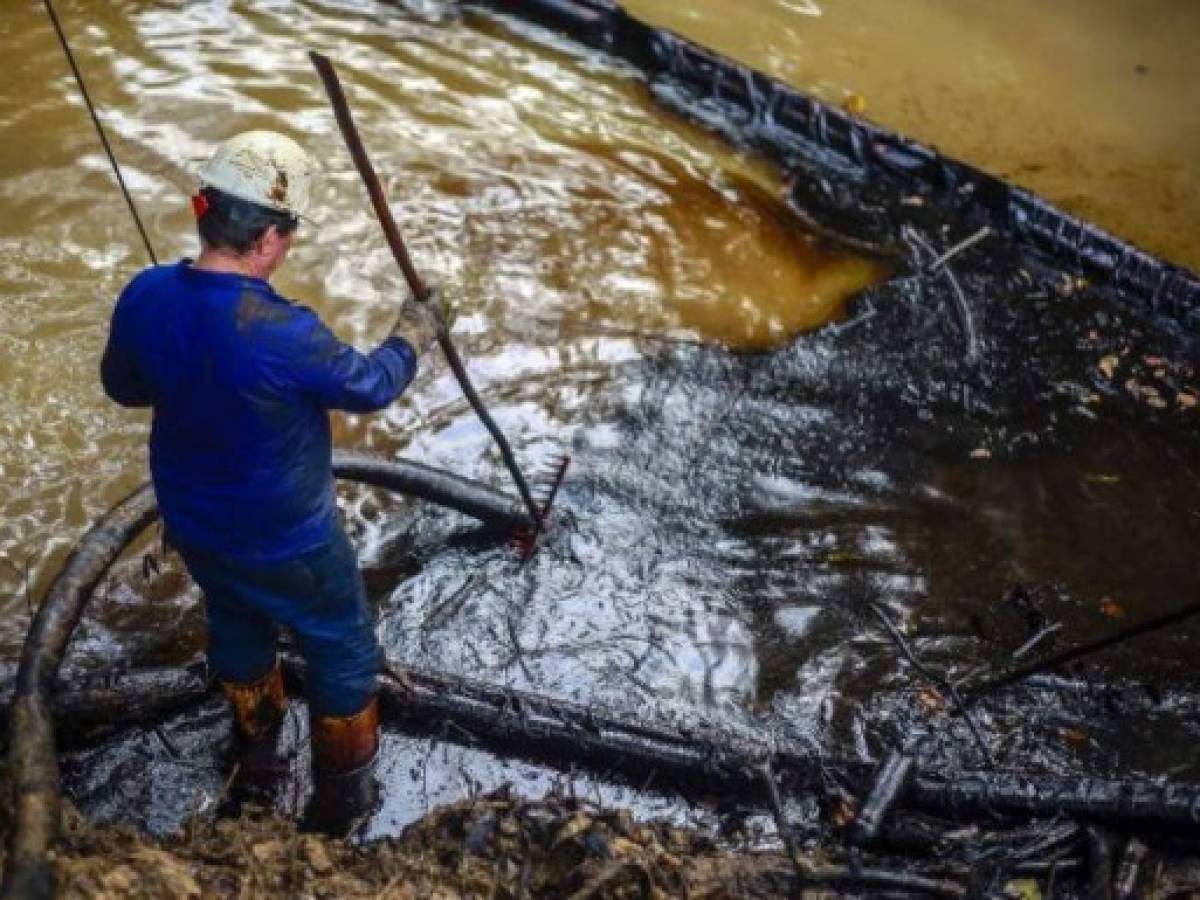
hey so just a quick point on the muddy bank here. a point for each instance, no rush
(494, 846)
(499, 845)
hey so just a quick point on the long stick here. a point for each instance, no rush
(966, 319)
(87, 99)
(1020, 673)
(958, 248)
(781, 822)
(341, 110)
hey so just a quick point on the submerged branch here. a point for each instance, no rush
(938, 681)
(958, 248)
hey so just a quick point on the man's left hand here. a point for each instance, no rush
(421, 321)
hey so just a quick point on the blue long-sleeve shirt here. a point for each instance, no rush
(241, 380)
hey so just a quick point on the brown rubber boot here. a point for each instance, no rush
(258, 706)
(344, 749)
(258, 710)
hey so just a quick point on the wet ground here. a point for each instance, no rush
(730, 516)
(497, 845)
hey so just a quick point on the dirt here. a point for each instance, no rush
(493, 846)
(499, 846)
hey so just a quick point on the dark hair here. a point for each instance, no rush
(235, 224)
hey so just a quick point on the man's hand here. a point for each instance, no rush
(421, 321)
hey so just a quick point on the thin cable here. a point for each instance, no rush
(62, 39)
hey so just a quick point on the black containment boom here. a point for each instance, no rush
(813, 141)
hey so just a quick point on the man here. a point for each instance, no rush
(240, 380)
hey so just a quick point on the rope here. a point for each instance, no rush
(87, 99)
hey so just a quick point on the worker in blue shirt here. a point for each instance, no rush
(240, 380)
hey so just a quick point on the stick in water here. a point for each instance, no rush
(1020, 673)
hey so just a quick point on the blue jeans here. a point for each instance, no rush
(319, 595)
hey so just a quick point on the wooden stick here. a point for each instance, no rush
(966, 319)
(893, 777)
(420, 291)
(958, 248)
(781, 822)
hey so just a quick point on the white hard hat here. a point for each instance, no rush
(263, 167)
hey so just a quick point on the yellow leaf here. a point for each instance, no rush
(572, 828)
(1023, 889)
(855, 104)
(620, 846)
(932, 700)
(844, 558)
(843, 813)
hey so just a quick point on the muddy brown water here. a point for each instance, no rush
(1090, 103)
(728, 516)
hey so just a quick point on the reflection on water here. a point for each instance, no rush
(542, 189)
(1091, 103)
(422, 774)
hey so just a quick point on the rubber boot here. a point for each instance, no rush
(344, 749)
(258, 710)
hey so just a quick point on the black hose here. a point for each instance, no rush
(472, 498)
(33, 760)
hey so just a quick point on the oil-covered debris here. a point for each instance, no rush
(494, 846)
(499, 845)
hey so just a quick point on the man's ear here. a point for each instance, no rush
(261, 242)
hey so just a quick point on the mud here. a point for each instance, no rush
(497, 845)
(491, 846)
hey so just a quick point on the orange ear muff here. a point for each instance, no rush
(199, 205)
